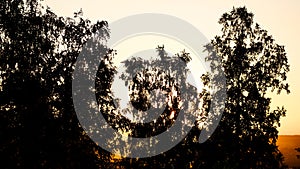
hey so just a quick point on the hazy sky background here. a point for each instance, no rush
(280, 18)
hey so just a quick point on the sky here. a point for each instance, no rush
(280, 18)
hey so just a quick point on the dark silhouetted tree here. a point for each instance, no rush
(142, 77)
(253, 65)
(38, 124)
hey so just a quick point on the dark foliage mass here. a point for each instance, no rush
(39, 127)
(253, 64)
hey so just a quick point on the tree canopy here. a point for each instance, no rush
(39, 128)
(253, 65)
(38, 123)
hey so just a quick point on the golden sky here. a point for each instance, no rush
(280, 18)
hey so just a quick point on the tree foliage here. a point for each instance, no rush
(39, 127)
(253, 65)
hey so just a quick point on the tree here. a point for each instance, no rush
(163, 73)
(38, 124)
(253, 65)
